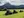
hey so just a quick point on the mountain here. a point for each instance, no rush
(11, 6)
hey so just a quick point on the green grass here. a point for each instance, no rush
(18, 15)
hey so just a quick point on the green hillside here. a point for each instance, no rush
(17, 15)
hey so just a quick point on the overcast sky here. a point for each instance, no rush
(12, 2)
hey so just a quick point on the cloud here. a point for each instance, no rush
(12, 2)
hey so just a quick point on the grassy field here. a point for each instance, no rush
(17, 15)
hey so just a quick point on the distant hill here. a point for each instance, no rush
(11, 6)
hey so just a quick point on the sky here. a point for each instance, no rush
(12, 2)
